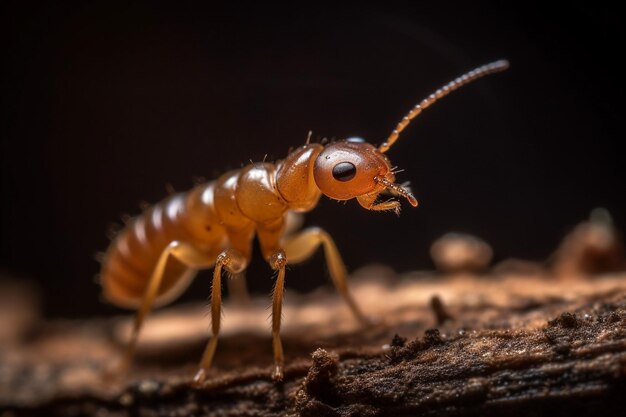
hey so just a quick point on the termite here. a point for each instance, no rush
(153, 260)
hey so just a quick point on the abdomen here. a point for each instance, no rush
(130, 260)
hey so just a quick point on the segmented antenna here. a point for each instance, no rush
(466, 78)
(398, 189)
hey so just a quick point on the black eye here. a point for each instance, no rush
(344, 171)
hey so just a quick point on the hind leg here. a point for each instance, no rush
(185, 253)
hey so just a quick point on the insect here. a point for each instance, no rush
(158, 253)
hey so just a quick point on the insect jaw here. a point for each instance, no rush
(397, 189)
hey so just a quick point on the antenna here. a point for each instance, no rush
(466, 78)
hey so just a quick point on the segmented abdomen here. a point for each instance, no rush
(130, 260)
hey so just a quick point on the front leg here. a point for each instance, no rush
(302, 246)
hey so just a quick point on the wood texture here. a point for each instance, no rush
(510, 343)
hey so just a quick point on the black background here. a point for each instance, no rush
(103, 104)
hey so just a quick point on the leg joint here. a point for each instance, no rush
(223, 258)
(232, 260)
(278, 259)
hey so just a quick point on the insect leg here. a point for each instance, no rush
(188, 255)
(302, 246)
(234, 262)
(278, 261)
(269, 238)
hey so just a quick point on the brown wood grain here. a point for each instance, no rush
(512, 343)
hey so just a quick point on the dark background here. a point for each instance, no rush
(104, 104)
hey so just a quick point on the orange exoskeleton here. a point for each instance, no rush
(155, 257)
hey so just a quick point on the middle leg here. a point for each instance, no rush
(234, 262)
(269, 238)
(278, 261)
(296, 249)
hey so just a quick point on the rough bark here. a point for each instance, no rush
(514, 343)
